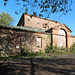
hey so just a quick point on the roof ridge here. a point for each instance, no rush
(41, 18)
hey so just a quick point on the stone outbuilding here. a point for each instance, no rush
(35, 34)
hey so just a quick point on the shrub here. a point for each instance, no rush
(24, 51)
(72, 47)
(48, 49)
(51, 49)
(54, 48)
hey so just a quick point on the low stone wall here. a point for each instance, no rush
(13, 41)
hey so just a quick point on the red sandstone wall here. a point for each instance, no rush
(72, 40)
(55, 35)
(38, 22)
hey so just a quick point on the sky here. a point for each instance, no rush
(68, 19)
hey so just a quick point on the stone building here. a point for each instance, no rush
(35, 33)
(61, 34)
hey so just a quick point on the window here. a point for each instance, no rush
(39, 42)
(44, 25)
(28, 19)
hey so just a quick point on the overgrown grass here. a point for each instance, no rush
(28, 54)
(60, 50)
(11, 57)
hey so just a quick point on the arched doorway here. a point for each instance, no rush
(62, 41)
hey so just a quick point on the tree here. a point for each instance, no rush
(44, 6)
(6, 19)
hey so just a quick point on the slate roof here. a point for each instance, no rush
(25, 28)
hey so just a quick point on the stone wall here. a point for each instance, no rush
(8, 41)
(12, 41)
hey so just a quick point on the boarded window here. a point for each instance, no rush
(39, 42)
(61, 38)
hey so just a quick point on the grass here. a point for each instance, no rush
(43, 54)
(35, 54)
(10, 57)
(21, 56)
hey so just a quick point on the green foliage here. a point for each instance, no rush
(11, 57)
(24, 51)
(60, 50)
(49, 49)
(6, 19)
(72, 49)
(55, 49)
(49, 36)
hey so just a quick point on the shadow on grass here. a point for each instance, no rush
(38, 66)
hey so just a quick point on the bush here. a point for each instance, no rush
(49, 49)
(55, 49)
(24, 51)
(62, 48)
(72, 47)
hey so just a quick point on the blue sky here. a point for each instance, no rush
(68, 19)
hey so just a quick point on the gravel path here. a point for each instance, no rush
(53, 65)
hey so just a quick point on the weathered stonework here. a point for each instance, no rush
(12, 41)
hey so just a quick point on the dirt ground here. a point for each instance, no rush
(43, 65)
